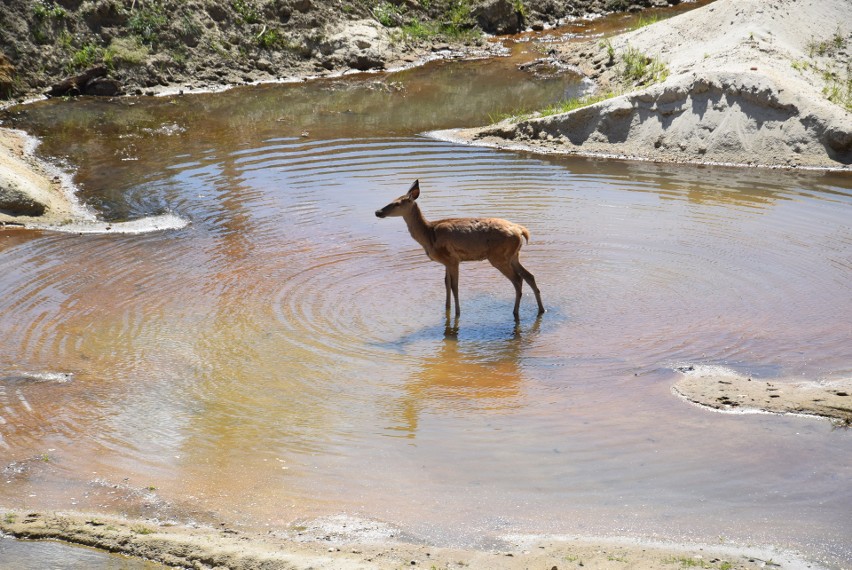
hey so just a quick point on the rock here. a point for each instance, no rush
(76, 84)
(361, 45)
(14, 201)
(498, 17)
(103, 87)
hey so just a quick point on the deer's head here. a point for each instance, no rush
(401, 205)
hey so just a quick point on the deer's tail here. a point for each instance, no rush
(526, 233)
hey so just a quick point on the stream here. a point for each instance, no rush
(282, 355)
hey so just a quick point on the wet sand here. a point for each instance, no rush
(723, 389)
(351, 543)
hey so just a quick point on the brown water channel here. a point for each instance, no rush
(285, 356)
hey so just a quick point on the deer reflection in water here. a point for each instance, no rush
(466, 376)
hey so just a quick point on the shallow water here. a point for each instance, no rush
(18, 555)
(286, 355)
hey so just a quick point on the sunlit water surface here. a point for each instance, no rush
(286, 356)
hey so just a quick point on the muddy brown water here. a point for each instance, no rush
(285, 356)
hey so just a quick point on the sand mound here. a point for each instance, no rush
(725, 390)
(748, 83)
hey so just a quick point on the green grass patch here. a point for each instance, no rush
(641, 69)
(147, 22)
(645, 21)
(126, 51)
(836, 73)
(86, 56)
(564, 106)
(44, 11)
(246, 11)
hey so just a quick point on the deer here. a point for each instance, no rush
(453, 240)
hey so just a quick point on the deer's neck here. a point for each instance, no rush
(419, 227)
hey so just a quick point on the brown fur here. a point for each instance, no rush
(453, 240)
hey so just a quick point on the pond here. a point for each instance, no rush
(286, 356)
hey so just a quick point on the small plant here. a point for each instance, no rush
(44, 11)
(46, 15)
(246, 10)
(10, 518)
(387, 14)
(610, 49)
(828, 47)
(644, 21)
(141, 529)
(641, 69)
(520, 8)
(147, 22)
(574, 103)
(459, 18)
(416, 30)
(270, 39)
(86, 56)
(565, 106)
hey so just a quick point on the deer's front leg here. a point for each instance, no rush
(453, 273)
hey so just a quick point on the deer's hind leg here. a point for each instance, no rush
(517, 280)
(448, 285)
(530, 279)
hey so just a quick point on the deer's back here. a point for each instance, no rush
(475, 239)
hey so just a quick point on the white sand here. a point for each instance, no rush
(733, 94)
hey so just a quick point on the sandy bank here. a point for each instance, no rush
(330, 546)
(32, 192)
(723, 389)
(746, 83)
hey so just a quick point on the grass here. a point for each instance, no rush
(564, 106)
(147, 22)
(85, 57)
(270, 39)
(644, 21)
(686, 562)
(835, 73)
(128, 51)
(246, 11)
(641, 69)
(387, 14)
(46, 15)
(10, 518)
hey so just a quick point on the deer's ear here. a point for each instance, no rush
(414, 191)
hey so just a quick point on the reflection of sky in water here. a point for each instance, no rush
(286, 354)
